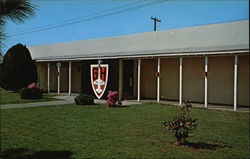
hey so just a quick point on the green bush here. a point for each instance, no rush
(31, 93)
(17, 70)
(84, 99)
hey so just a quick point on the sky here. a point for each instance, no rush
(68, 20)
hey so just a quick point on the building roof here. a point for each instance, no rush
(204, 39)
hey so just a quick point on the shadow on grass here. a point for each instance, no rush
(206, 146)
(27, 154)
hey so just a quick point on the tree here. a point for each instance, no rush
(16, 10)
(18, 70)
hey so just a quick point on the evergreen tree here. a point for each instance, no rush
(18, 70)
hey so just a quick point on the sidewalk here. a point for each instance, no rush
(65, 100)
(70, 100)
(199, 105)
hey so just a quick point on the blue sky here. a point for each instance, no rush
(102, 18)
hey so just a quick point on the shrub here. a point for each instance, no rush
(182, 124)
(18, 70)
(112, 99)
(44, 90)
(84, 99)
(31, 93)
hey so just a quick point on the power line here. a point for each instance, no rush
(89, 19)
(82, 20)
(78, 18)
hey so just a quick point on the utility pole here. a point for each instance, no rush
(155, 20)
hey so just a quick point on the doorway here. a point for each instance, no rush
(128, 78)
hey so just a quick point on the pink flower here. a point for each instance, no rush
(112, 98)
(32, 85)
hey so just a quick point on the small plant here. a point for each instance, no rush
(182, 124)
(84, 99)
(31, 93)
(112, 100)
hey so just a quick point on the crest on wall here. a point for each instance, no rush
(99, 78)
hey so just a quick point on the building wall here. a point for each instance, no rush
(42, 71)
(193, 79)
(169, 78)
(53, 76)
(64, 77)
(220, 79)
(135, 78)
(42, 75)
(76, 77)
(243, 80)
(113, 76)
(148, 78)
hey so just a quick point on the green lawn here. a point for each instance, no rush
(71, 131)
(10, 97)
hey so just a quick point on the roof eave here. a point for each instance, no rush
(200, 53)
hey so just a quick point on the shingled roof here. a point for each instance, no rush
(205, 39)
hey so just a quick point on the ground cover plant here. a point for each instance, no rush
(10, 97)
(70, 131)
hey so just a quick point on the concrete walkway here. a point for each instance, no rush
(199, 105)
(64, 100)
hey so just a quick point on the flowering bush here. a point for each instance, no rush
(182, 124)
(112, 98)
(32, 85)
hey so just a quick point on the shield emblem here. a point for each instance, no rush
(99, 79)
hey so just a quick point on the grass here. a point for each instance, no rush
(10, 97)
(71, 131)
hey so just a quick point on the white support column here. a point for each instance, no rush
(58, 77)
(158, 79)
(180, 84)
(48, 77)
(205, 76)
(139, 80)
(235, 81)
(70, 77)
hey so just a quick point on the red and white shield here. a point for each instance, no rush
(99, 78)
